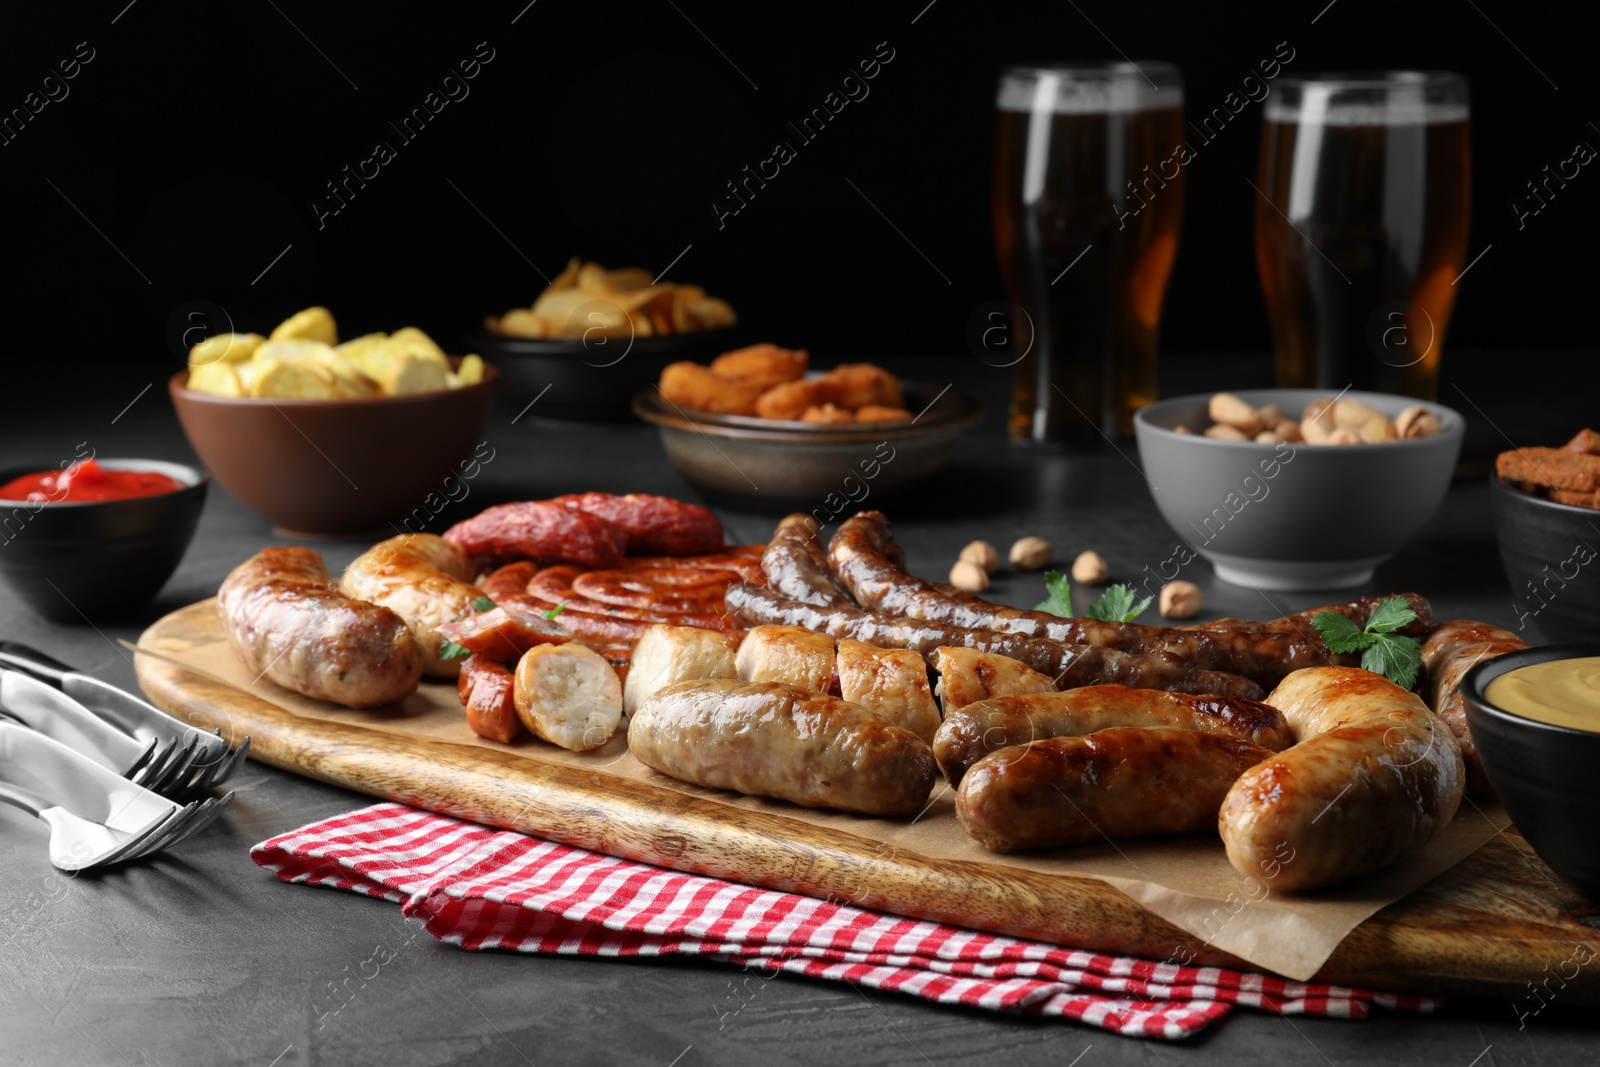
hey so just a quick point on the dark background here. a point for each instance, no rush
(198, 136)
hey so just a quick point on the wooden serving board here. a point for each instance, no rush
(1487, 927)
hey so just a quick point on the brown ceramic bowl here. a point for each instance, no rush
(777, 465)
(326, 468)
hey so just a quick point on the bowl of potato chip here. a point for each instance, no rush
(594, 337)
(759, 428)
(324, 438)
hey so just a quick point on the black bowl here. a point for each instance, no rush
(595, 379)
(101, 559)
(1551, 554)
(1544, 774)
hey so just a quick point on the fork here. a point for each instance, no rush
(160, 766)
(207, 760)
(96, 817)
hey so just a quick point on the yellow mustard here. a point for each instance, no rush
(1561, 692)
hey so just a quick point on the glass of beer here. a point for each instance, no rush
(1088, 199)
(1361, 226)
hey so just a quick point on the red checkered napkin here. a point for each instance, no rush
(482, 888)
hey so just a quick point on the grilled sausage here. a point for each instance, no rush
(769, 739)
(655, 524)
(286, 621)
(505, 631)
(1122, 782)
(486, 688)
(967, 676)
(666, 655)
(539, 529)
(1452, 650)
(1357, 611)
(787, 654)
(860, 560)
(1069, 665)
(893, 682)
(796, 567)
(423, 579)
(568, 695)
(972, 732)
(1373, 776)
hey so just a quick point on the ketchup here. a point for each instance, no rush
(87, 481)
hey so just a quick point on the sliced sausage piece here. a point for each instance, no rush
(505, 631)
(568, 695)
(1122, 782)
(774, 740)
(1452, 650)
(1373, 777)
(666, 655)
(486, 687)
(967, 676)
(423, 579)
(890, 681)
(287, 622)
(972, 732)
(789, 654)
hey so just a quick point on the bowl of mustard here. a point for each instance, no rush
(1535, 716)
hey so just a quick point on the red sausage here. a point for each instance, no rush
(654, 524)
(485, 688)
(539, 529)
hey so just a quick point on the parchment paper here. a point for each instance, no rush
(1187, 881)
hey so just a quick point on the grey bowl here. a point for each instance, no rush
(1294, 516)
(1549, 551)
(1543, 773)
(775, 465)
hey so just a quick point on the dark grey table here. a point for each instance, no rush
(200, 957)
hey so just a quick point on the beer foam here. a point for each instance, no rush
(1349, 113)
(1070, 92)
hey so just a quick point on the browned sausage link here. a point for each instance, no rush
(860, 560)
(1122, 782)
(485, 689)
(1451, 650)
(972, 732)
(509, 581)
(286, 621)
(796, 567)
(770, 739)
(1304, 622)
(554, 586)
(1070, 665)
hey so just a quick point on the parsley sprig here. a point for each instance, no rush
(1383, 651)
(1116, 604)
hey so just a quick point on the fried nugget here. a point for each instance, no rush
(828, 415)
(1553, 468)
(691, 386)
(881, 413)
(1576, 498)
(791, 399)
(1585, 441)
(854, 385)
(767, 364)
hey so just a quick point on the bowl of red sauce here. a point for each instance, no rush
(92, 539)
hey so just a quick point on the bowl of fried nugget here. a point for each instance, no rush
(1546, 505)
(329, 439)
(594, 337)
(759, 428)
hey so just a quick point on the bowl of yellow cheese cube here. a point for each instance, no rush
(329, 438)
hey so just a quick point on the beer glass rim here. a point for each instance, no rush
(1379, 79)
(1154, 70)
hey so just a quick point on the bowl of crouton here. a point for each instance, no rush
(760, 428)
(329, 439)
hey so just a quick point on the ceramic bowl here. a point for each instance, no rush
(1549, 551)
(1294, 516)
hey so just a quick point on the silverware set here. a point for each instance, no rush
(113, 776)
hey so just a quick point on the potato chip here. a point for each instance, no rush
(585, 298)
(312, 324)
(225, 348)
(219, 378)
